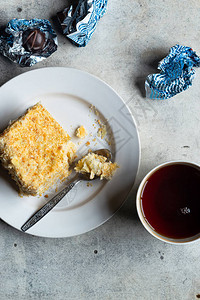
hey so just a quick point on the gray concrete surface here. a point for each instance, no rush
(129, 263)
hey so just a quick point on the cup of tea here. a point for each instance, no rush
(168, 202)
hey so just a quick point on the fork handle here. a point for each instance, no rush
(38, 215)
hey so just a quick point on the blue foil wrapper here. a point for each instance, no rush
(11, 41)
(79, 20)
(176, 73)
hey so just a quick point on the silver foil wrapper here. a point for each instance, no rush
(79, 20)
(176, 73)
(11, 41)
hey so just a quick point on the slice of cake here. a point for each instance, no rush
(96, 165)
(36, 151)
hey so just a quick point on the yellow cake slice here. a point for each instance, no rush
(36, 151)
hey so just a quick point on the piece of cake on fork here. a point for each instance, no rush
(36, 151)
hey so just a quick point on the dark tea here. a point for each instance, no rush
(170, 201)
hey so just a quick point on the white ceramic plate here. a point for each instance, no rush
(68, 95)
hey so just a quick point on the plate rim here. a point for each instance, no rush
(136, 131)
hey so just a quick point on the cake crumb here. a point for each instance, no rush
(81, 132)
(46, 196)
(102, 131)
(94, 109)
(88, 143)
(109, 143)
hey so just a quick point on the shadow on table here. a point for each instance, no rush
(128, 209)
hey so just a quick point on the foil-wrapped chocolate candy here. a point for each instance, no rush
(27, 42)
(79, 20)
(176, 73)
(33, 40)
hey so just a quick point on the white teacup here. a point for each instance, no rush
(141, 192)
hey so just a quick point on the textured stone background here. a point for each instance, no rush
(129, 263)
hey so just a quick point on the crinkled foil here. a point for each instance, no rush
(79, 20)
(11, 44)
(176, 73)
